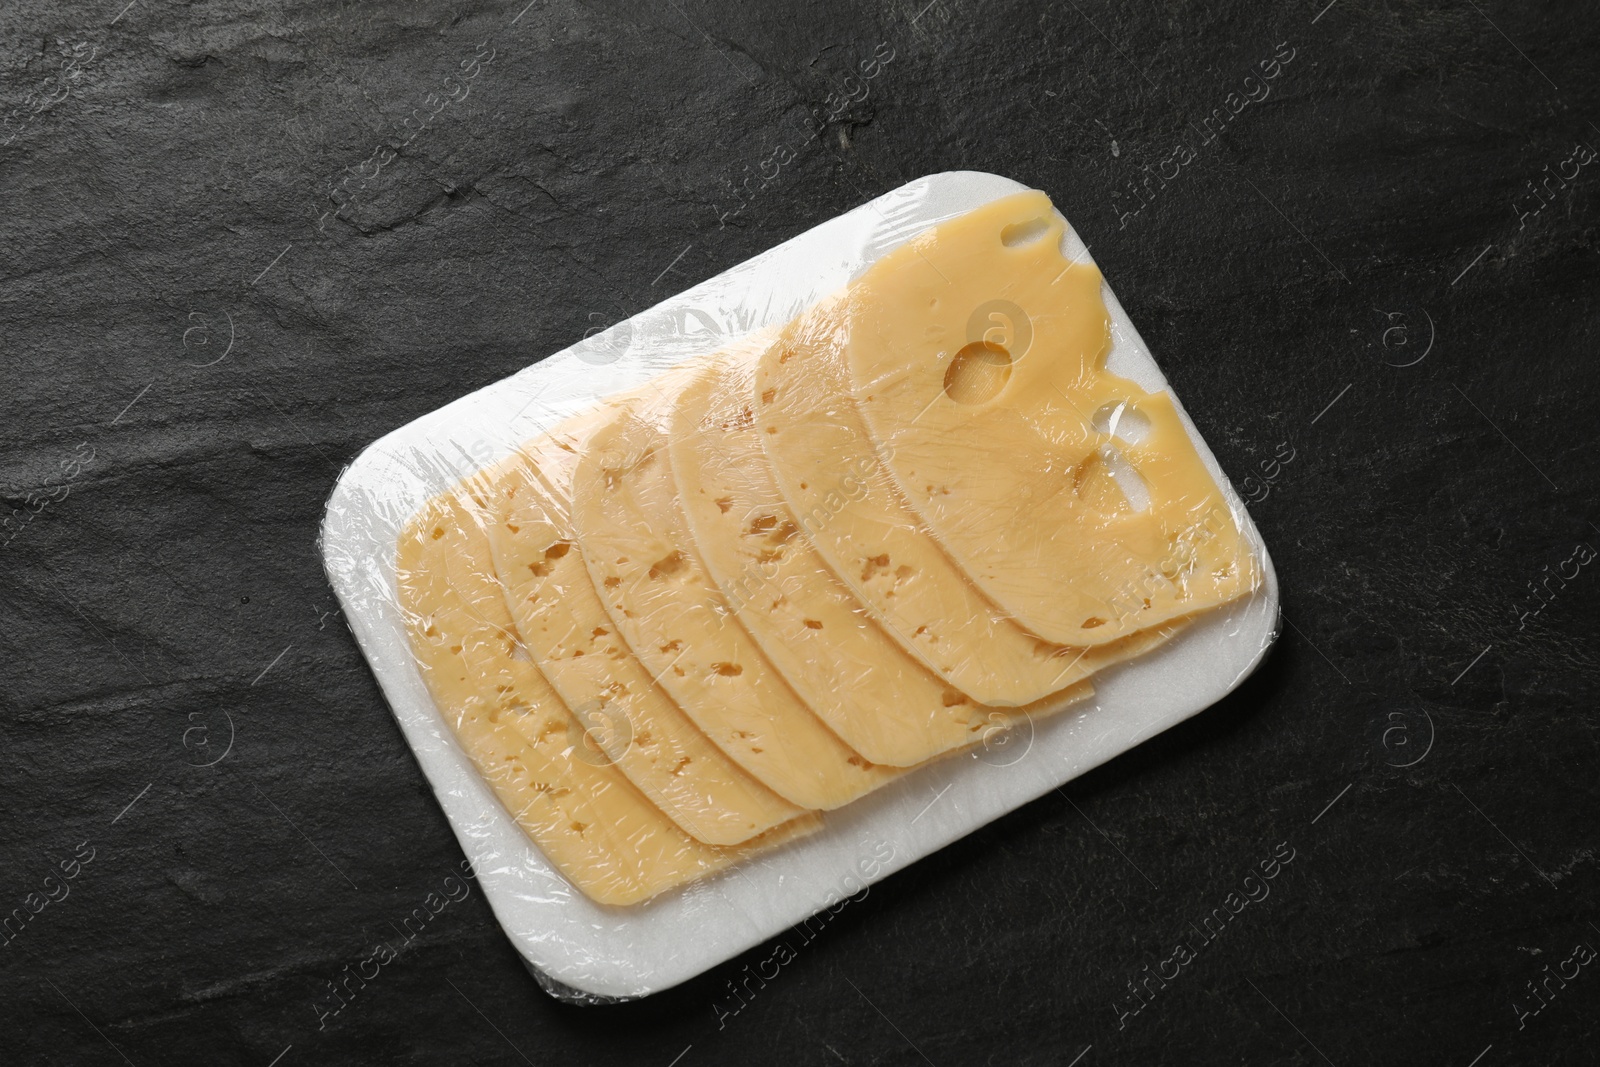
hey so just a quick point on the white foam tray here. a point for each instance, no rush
(590, 953)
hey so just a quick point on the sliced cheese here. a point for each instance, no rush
(848, 505)
(882, 701)
(642, 560)
(564, 625)
(1004, 440)
(600, 832)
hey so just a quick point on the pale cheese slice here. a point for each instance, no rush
(642, 559)
(573, 642)
(601, 833)
(976, 353)
(847, 504)
(882, 701)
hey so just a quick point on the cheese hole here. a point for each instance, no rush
(669, 565)
(977, 373)
(1107, 483)
(1128, 480)
(1023, 233)
(1123, 421)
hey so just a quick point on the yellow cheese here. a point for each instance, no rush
(882, 701)
(601, 833)
(992, 435)
(564, 625)
(846, 502)
(637, 546)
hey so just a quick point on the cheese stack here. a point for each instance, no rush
(675, 629)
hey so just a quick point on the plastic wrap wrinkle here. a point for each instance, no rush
(691, 903)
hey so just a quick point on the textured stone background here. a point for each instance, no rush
(192, 344)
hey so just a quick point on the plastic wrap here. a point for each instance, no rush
(718, 617)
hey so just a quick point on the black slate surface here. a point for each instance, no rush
(199, 325)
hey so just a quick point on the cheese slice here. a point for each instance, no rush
(881, 700)
(600, 832)
(642, 560)
(847, 504)
(628, 717)
(1002, 440)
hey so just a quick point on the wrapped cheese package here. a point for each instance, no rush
(712, 620)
